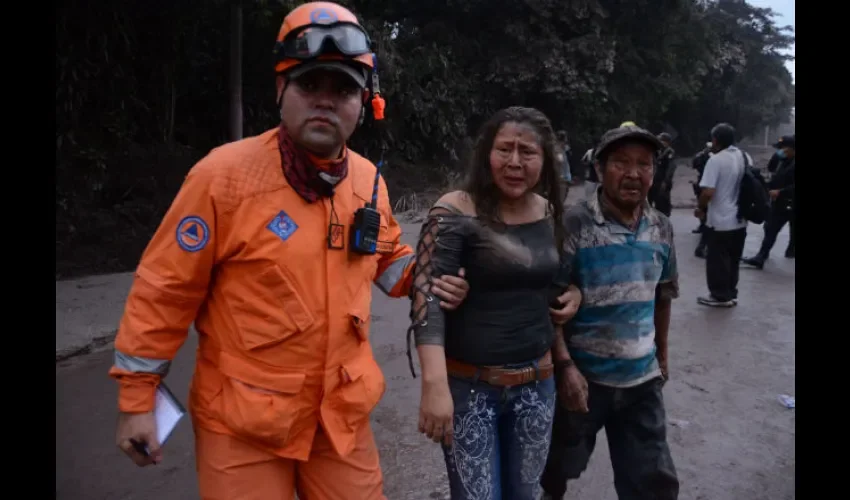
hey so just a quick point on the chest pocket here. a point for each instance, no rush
(268, 309)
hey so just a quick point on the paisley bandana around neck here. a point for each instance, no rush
(302, 171)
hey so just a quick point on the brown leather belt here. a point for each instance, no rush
(501, 376)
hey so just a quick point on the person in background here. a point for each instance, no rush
(660, 195)
(285, 378)
(621, 254)
(562, 159)
(698, 163)
(718, 203)
(591, 179)
(488, 390)
(776, 158)
(781, 190)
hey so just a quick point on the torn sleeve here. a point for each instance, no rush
(439, 252)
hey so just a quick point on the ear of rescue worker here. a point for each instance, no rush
(320, 107)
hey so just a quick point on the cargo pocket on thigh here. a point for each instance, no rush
(361, 387)
(259, 405)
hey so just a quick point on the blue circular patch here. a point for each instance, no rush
(193, 233)
(323, 16)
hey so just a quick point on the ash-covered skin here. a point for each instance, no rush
(510, 268)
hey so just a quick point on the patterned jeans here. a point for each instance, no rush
(501, 438)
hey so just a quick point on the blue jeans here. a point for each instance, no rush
(501, 438)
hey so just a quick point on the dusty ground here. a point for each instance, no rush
(731, 439)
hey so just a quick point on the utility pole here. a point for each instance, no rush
(235, 70)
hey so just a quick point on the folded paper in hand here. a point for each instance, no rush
(167, 412)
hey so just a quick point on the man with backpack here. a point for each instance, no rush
(726, 229)
(781, 192)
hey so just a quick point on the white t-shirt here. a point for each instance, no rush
(723, 173)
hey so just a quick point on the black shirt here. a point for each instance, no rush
(511, 271)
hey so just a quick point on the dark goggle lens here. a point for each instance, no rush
(349, 40)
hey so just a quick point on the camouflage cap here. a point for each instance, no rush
(636, 133)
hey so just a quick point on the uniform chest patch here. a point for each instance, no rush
(282, 225)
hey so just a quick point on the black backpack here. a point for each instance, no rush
(753, 200)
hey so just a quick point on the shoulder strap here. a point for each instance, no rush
(746, 158)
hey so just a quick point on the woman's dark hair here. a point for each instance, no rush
(479, 179)
(724, 134)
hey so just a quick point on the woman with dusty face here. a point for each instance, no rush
(516, 160)
(488, 386)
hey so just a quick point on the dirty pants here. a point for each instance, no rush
(635, 424)
(230, 469)
(776, 220)
(725, 249)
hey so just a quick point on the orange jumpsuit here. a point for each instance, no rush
(285, 378)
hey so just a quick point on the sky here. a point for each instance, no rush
(784, 10)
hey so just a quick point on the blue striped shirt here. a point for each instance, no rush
(612, 337)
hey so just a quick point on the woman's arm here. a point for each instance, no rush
(438, 252)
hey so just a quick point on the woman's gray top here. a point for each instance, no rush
(512, 273)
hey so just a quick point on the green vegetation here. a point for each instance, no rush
(143, 90)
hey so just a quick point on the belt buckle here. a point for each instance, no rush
(528, 374)
(495, 377)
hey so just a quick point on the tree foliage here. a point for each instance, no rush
(142, 89)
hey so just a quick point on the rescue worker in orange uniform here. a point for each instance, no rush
(256, 250)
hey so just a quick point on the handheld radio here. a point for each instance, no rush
(367, 222)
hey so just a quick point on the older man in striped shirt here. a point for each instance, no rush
(613, 361)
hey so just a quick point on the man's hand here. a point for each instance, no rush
(570, 300)
(774, 193)
(451, 289)
(572, 389)
(699, 214)
(661, 356)
(139, 428)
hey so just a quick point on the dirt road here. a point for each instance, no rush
(730, 437)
